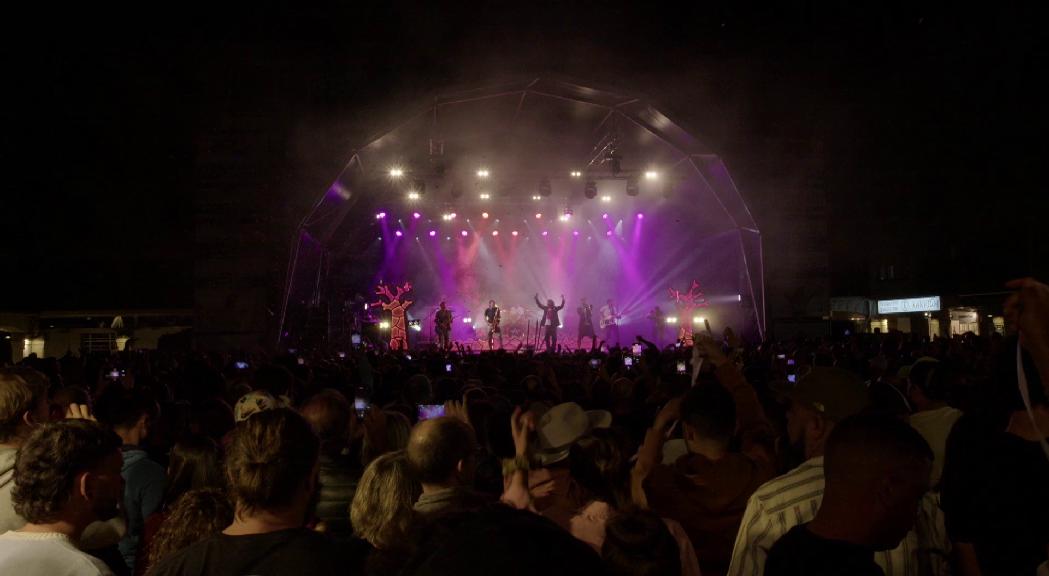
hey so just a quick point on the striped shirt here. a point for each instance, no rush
(792, 499)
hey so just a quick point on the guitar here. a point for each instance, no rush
(494, 322)
(610, 320)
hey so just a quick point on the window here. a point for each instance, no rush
(98, 342)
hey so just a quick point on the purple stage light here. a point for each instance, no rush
(398, 234)
(575, 232)
(609, 233)
(380, 215)
(416, 215)
(464, 233)
(433, 233)
(640, 215)
(604, 216)
(538, 216)
(545, 232)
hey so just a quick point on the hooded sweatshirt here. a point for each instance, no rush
(9, 519)
(144, 484)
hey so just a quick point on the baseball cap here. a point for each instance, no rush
(833, 392)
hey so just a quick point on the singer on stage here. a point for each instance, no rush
(551, 321)
(586, 323)
(492, 315)
(443, 324)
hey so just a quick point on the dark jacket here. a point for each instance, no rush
(550, 317)
(339, 479)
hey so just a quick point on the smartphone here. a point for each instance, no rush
(115, 374)
(792, 378)
(628, 361)
(780, 356)
(790, 362)
(428, 411)
(677, 344)
(355, 339)
(681, 367)
(594, 362)
(302, 361)
(361, 406)
(636, 349)
(241, 365)
(448, 368)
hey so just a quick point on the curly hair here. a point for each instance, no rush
(196, 515)
(50, 460)
(270, 457)
(382, 512)
(19, 393)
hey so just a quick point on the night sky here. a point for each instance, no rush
(930, 121)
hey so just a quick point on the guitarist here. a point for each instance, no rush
(492, 315)
(443, 321)
(610, 323)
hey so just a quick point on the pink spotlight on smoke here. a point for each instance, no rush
(545, 232)
(495, 232)
(380, 215)
(416, 215)
(464, 233)
(433, 233)
(398, 234)
(575, 232)
(538, 216)
(640, 215)
(604, 216)
(609, 233)
(514, 233)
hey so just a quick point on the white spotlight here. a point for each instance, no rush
(482, 173)
(413, 195)
(396, 172)
(671, 320)
(537, 198)
(606, 198)
(651, 175)
(697, 319)
(384, 325)
(576, 174)
(485, 196)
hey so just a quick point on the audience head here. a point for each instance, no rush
(382, 512)
(638, 543)
(925, 383)
(820, 399)
(130, 413)
(877, 470)
(271, 464)
(252, 403)
(68, 471)
(441, 452)
(329, 413)
(23, 404)
(194, 464)
(196, 515)
(708, 413)
(498, 540)
(599, 469)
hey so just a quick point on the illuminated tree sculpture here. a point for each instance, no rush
(397, 308)
(686, 303)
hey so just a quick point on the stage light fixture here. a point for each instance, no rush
(413, 195)
(544, 187)
(606, 198)
(433, 233)
(482, 173)
(514, 233)
(396, 172)
(576, 174)
(416, 215)
(380, 215)
(640, 216)
(671, 320)
(697, 320)
(384, 325)
(495, 232)
(590, 189)
(604, 216)
(485, 196)
(464, 233)
(632, 188)
(608, 233)
(398, 233)
(484, 215)
(575, 232)
(546, 233)
(468, 320)
(538, 216)
(651, 175)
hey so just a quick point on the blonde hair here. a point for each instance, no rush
(382, 509)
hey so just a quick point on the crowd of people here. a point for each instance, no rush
(871, 454)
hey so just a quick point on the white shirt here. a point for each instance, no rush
(792, 499)
(935, 426)
(46, 554)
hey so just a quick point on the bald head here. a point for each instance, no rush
(440, 451)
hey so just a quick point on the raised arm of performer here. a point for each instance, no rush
(538, 303)
(561, 307)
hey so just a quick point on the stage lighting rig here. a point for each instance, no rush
(544, 187)
(590, 189)
(632, 188)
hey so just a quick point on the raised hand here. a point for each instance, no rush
(669, 413)
(709, 349)
(521, 426)
(79, 412)
(457, 409)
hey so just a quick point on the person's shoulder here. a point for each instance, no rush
(807, 477)
(177, 563)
